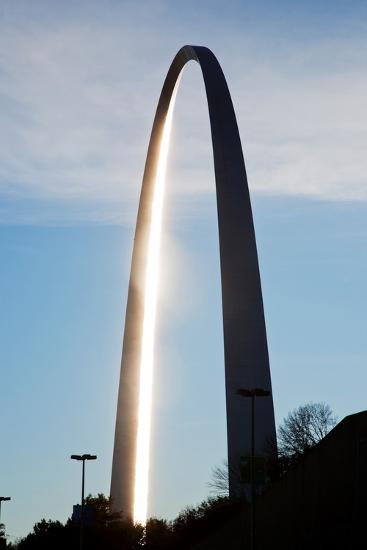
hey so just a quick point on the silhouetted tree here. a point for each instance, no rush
(159, 535)
(194, 524)
(99, 509)
(107, 532)
(302, 429)
(46, 535)
(2, 536)
(219, 483)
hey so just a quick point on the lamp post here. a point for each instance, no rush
(2, 499)
(83, 458)
(252, 393)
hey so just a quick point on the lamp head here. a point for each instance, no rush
(243, 392)
(255, 392)
(260, 392)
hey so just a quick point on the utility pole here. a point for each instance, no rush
(83, 458)
(252, 393)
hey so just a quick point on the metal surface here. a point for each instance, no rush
(82, 510)
(245, 344)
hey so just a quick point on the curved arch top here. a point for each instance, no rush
(245, 343)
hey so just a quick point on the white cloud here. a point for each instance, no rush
(78, 99)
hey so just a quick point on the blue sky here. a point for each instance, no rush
(78, 90)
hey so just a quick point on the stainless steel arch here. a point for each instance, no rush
(245, 344)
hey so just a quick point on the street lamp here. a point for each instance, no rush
(83, 458)
(252, 393)
(2, 499)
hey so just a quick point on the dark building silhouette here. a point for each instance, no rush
(320, 504)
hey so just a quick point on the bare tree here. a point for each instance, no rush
(303, 428)
(219, 483)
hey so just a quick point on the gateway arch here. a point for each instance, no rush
(245, 343)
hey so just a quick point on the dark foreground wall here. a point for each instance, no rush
(320, 504)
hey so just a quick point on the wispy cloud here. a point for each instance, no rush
(78, 94)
